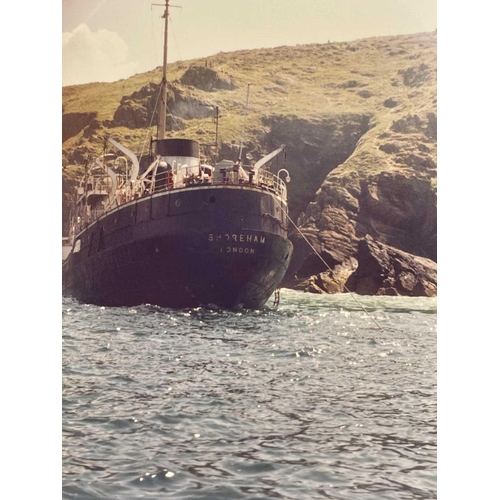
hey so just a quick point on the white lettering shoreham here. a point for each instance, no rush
(237, 238)
(242, 244)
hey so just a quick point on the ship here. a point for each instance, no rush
(183, 233)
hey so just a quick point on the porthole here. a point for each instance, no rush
(211, 199)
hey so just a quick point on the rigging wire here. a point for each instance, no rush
(159, 90)
(173, 117)
(172, 30)
(244, 124)
(321, 258)
(155, 47)
(146, 132)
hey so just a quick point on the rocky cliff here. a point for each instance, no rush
(359, 121)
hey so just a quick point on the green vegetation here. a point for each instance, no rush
(309, 81)
(361, 107)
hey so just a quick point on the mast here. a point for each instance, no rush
(163, 100)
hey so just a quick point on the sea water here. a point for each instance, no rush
(327, 396)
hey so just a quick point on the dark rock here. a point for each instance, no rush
(140, 109)
(431, 129)
(351, 84)
(92, 128)
(390, 103)
(331, 281)
(206, 79)
(397, 53)
(394, 209)
(417, 162)
(385, 270)
(314, 149)
(410, 124)
(80, 155)
(416, 76)
(74, 123)
(309, 286)
(399, 211)
(390, 147)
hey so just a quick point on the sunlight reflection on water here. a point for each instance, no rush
(309, 401)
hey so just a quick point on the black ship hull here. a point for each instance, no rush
(223, 246)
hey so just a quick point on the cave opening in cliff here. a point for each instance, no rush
(314, 148)
(313, 265)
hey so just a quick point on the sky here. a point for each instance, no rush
(106, 40)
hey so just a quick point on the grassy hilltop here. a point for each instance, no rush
(359, 121)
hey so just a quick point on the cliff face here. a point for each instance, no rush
(360, 126)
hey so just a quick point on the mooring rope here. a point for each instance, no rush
(323, 260)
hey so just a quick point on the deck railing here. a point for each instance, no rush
(165, 181)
